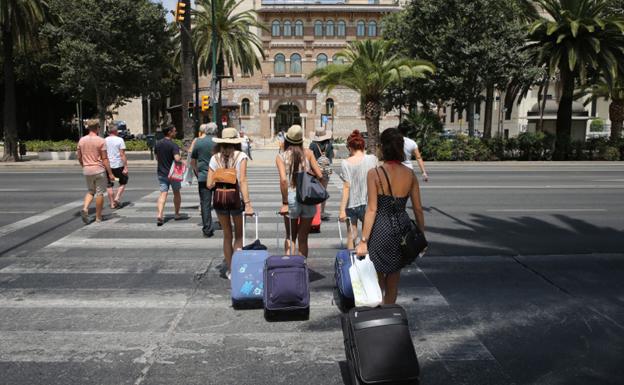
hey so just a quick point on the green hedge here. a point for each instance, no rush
(50, 145)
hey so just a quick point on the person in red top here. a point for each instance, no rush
(96, 169)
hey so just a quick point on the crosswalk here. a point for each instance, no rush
(147, 304)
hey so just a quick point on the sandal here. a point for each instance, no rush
(160, 221)
(85, 216)
(116, 205)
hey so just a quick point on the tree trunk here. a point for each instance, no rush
(10, 113)
(372, 113)
(542, 107)
(616, 115)
(470, 115)
(489, 109)
(564, 115)
(101, 109)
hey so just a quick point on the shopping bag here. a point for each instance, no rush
(188, 176)
(176, 172)
(366, 290)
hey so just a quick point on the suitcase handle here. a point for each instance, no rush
(289, 221)
(255, 215)
(348, 222)
(379, 322)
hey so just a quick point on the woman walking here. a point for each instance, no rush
(386, 220)
(228, 155)
(354, 190)
(323, 151)
(293, 160)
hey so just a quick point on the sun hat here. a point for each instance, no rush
(294, 134)
(321, 134)
(229, 135)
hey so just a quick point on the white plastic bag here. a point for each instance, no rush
(188, 175)
(366, 290)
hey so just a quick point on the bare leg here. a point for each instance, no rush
(226, 225)
(120, 192)
(352, 234)
(162, 199)
(302, 235)
(177, 202)
(392, 287)
(111, 199)
(238, 232)
(99, 207)
(381, 277)
(87, 201)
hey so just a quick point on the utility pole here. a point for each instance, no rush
(183, 17)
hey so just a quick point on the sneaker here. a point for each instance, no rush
(229, 275)
(208, 234)
(85, 217)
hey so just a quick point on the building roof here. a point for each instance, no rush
(326, 8)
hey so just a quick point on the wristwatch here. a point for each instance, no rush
(363, 240)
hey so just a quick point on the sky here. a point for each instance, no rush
(169, 5)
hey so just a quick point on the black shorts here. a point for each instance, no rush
(118, 173)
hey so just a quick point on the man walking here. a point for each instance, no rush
(116, 150)
(410, 148)
(92, 157)
(167, 152)
(200, 159)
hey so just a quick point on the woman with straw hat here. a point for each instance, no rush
(292, 160)
(323, 151)
(228, 154)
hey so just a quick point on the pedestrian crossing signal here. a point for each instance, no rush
(180, 11)
(205, 104)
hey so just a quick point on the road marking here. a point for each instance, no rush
(13, 227)
(19, 211)
(545, 210)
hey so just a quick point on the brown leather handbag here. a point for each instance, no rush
(226, 195)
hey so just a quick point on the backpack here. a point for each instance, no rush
(226, 195)
(324, 162)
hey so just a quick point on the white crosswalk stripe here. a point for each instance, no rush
(152, 294)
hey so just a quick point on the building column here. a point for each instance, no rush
(271, 122)
(303, 123)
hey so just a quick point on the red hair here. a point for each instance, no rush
(356, 140)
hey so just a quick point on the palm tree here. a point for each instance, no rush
(237, 45)
(370, 69)
(19, 23)
(577, 36)
(615, 93)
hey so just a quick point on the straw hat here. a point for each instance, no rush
(294, 134)
(229, 135)
(321, 134)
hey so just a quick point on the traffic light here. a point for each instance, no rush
(180, 11)
(205, 104)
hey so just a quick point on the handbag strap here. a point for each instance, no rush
(319, 148)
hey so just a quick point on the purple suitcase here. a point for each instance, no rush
(286, 287)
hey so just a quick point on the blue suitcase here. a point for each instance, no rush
(342, 277)
(248, 275)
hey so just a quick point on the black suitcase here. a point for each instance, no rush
(379, 347)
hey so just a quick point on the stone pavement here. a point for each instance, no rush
(126, 302)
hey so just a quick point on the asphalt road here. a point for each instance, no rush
(523, 284)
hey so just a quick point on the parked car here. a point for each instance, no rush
(122, 129)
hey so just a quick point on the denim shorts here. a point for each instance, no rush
(356, 213)
(296, 209)
(164, 183)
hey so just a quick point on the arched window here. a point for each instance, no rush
(295, 63)
(280, 64)
(298, 28)
(287, 28)
(329, 28)
(329, 106)
(318, 28)
(337, 59)
(245, 107)
(342, 28)
(321, 60)
(372, 28)
(275, 28)
(361, 28)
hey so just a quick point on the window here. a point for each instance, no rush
(280, 64)
(361, 28)
(298, 28)
(295, 64)
(275, 28)
(329, 28)
(337, 60)
(287, 28)
(372, 28)
(321, 61)
(318, 28)
(245, 107)
(329, 106)
(342, 28)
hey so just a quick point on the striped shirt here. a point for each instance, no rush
(355, 175)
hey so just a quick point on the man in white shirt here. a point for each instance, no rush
(116, 150)
(411, 149)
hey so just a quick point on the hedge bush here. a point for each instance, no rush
(50, 145)
(136, 145)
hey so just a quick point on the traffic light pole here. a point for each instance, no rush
(184, 20)
(216, 108)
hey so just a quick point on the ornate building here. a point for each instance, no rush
(300, 36)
